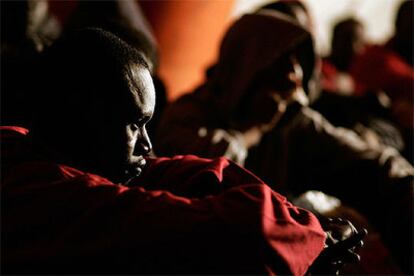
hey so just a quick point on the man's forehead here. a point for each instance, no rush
(141, 88)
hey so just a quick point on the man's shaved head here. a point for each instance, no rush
(95, 97)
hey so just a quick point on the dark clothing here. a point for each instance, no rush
(380, 68)
(365, 115)
(304, 152)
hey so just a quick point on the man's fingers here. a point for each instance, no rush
(351, 257)
(353, 241)
(359, 245)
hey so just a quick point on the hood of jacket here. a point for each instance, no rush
(252, 43)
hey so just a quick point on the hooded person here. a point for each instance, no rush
(307, 57)
(80, 195)
(244, 52)
(368, 116)
(253, 110)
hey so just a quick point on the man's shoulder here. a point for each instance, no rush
(13, 130)
(24, 165)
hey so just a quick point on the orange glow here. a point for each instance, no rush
(188, 33)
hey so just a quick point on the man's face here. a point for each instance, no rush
(274, 89)
(117, 124)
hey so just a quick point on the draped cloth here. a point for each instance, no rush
(182, 215)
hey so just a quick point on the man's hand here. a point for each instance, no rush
(341, 243)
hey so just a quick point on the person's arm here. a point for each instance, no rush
(83, 223)
(327, 154)
(376, 181)
(192, 176)
(186, 128)
(197, 177)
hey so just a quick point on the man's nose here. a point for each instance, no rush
(143, 145)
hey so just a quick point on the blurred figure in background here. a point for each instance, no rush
(27, 28)
(368, 115)
(253, 109)
(347, 41)
(125, 19)
(389, 68)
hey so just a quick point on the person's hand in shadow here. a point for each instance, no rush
(341, 245)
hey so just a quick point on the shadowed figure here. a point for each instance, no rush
(389, 68)
(27, 28)
(253, 110)
(123, 18)
(369, 115)
(347, 41)
(307, 57)
(329, 90)
(79, 195)
(106, 93)
(402, 41)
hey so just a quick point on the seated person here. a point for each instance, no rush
(253, 110)
(79, 194)
(347, 41)
(27, 28)
(389, 68)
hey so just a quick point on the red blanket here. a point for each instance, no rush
(184, 215)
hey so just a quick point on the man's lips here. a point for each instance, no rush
(134, 169)
(139, 162)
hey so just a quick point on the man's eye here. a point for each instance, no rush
(137, 124)
(134, 126)
(144, 120)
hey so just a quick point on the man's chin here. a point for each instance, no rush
(122, 177)
(121, 174)
(131, 174)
